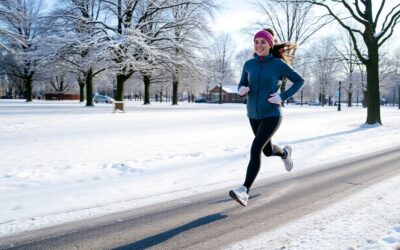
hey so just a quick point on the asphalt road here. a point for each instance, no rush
(214, 220)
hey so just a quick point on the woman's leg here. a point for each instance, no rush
(264, 132)
(273, 150)
(254, 125)
(269, 149)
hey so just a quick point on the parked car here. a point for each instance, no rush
(103, 98)
(200, 100)
(313, 103)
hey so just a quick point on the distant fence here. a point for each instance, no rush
(61, 97)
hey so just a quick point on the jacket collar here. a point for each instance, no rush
(262, 59)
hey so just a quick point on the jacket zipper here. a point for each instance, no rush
(258, 92)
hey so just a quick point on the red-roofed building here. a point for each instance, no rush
(229, 94)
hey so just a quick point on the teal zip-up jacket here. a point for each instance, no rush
(263, 76)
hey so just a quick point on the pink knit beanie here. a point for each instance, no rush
(266, 35)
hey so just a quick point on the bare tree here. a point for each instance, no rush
(8, 34)
(153, 34)
(126, 39)
(81, 39)
(374, 34)
(222, 52)
(349, 61)
(325, 59)
(59, 84)
(243, 56)
(304, 67)
(189, 27)
(390, 77)
(20, 27)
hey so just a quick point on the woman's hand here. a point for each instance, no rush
(275, 98)
(243, 90)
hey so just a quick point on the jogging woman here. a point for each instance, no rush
(260, 81)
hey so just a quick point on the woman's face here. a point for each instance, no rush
(261, 47)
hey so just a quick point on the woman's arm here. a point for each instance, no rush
(243, 87)
(294, 77)
(244, 78)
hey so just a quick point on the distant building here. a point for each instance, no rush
(229, 94)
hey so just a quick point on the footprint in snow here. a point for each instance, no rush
(390, 240)
(8, 175)
(124, 168)
(195, 154)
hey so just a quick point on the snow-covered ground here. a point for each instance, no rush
(369, 219)
(61, 161)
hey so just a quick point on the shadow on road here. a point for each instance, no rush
(158, 238)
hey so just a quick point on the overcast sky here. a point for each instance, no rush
(234, 18)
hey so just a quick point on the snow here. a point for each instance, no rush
(369, 219)
(230, 88)
(378, 34)
(61, 161)
(366, 57)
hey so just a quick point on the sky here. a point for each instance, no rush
(234, 18)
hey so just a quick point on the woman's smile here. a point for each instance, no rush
(261, 47)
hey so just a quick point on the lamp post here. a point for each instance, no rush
(357, 97)
(340, 85)
(398, 96)
(301, 102)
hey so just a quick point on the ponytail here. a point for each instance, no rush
(282, 50)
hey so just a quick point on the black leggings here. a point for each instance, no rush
(263, 130)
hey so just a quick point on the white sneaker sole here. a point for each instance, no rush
(236, 198)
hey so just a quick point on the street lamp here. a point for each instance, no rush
(339, 91)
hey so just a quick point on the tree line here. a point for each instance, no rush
(154, 40)
(168, 44)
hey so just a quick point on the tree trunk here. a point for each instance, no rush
(394, 97)
(146, 81)
(365, 103)
(322, 97)
(81, 84)
(350, 95)
(89, 88)
(175, 84)
(121, 79)
(28, 88)
(373, 96)
(349, 103)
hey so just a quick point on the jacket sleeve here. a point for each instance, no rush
(244, 78)
(297, 80)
